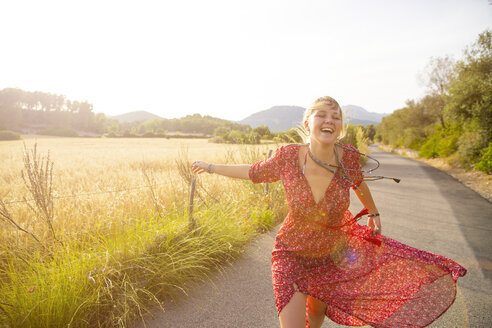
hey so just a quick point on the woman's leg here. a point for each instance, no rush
(316, 312)
(293, 315)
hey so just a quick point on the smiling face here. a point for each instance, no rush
(324, 125)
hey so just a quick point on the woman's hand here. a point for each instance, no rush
(375, 224)
(199, 167)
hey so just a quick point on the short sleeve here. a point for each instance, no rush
(353, 159)
(268, 170)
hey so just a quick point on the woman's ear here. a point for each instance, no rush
(306, 126)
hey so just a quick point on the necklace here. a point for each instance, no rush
(344, 175)
(319, 162)
(329, 167)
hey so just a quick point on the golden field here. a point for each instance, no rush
(111, 239)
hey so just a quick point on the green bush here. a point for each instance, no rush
(254, 138)
(430, 148)
(485, 164)
(416, 144)
(216, 139)
(350, 136)
(110, 135)
(400, 142)
(442, 143)
(412, 138)
(238, 137)
(9, 135)
(470, 145)
(448, 145)
(59, 132)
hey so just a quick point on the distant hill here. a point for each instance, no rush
(353, 112)
(137, 116)
(282, 118)
(277, 118)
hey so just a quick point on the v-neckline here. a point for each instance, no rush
(335, 176)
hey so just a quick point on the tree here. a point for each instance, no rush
(438, 73)
(370, 132)
(10, 110)
(470, 90)
(263, 131)
(254, 138)
(220, 131)
(85, 116)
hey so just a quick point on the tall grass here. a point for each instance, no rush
(104, 259)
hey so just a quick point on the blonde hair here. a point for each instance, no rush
(317, 104)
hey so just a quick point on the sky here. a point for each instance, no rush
(231, 58)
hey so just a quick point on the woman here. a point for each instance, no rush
(323, 261)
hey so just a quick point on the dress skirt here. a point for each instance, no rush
(369, 280)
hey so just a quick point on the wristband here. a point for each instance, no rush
(210, 168)
(371, 215)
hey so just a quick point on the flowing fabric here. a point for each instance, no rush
(322, 251)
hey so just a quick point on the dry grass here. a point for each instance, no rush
(97, 230)
(135, 169)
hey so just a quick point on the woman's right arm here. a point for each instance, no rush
(240, 171)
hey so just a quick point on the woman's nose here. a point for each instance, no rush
(328, 119)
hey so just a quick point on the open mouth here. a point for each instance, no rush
(327, 130)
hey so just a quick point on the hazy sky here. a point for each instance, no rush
(231, 58)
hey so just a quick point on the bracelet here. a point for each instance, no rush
(371, 215)
(210, 168)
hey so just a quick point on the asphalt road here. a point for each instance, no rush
(429, 210)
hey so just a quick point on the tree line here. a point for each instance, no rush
(24, 110)
(45, 113)
(51, 114)
(193, 125)
(454, 118)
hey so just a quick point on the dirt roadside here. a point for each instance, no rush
(475, 180)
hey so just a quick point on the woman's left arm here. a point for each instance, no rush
(365, 198)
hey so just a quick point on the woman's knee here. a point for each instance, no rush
(293, 315)
(315, 307)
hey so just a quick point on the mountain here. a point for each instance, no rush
(277, 118)
(361, 114)
(135, 116)
(282, 118)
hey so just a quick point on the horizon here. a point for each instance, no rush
(230, 59)
(160, 117)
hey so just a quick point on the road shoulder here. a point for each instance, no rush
(479, 182)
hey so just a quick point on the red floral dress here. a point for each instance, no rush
(321, 251)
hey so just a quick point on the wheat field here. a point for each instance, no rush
(95, 232)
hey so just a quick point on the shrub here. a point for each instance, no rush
(254, 138)
(416, 144)
(448, 145)
(442, 143)
(430, 148)
(216, 139)
(128, 134)
(9, 135)
(470, 146)
(59, 132)
(110, 135)
(235, 137)
(350, 136)
(411, 138)
(362, 144)
(149, 135)
(485, 164)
